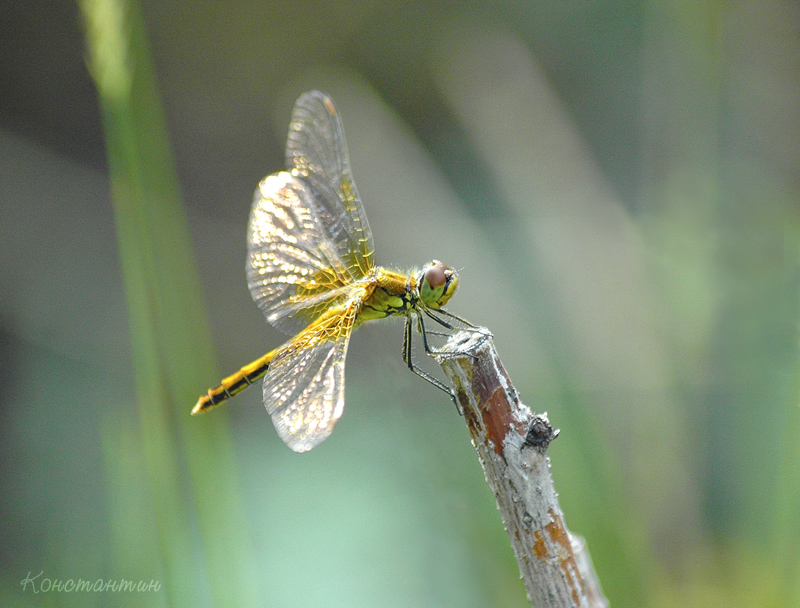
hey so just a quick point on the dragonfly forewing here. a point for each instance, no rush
(294, 268)
(316, 151)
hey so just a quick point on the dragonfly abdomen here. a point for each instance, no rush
(235, 383)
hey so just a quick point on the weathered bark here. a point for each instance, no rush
(512, 442)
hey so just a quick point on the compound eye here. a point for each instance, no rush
(435, 277)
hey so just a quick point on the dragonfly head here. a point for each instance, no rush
(437, 284)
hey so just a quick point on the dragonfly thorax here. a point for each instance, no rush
(393, 293)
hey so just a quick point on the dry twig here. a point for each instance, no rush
(512, 443)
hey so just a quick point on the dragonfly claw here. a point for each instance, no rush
(454, 397)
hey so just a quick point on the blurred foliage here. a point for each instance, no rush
(167, 321)
(616, 181)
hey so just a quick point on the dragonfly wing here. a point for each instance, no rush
(317, 152)
(304, 388)
(294, 270)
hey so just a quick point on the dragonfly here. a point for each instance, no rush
(312, 273)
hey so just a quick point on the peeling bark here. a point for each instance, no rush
(512, 442)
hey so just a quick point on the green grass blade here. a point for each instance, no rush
(171, 342)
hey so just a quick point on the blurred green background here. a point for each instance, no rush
(617, 183)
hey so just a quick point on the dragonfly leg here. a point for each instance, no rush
(441, 311)
(467, 327)
(432, 332)
(409, 360)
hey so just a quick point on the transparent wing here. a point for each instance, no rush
(294, 270)
(316, 151)
(304, 387)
